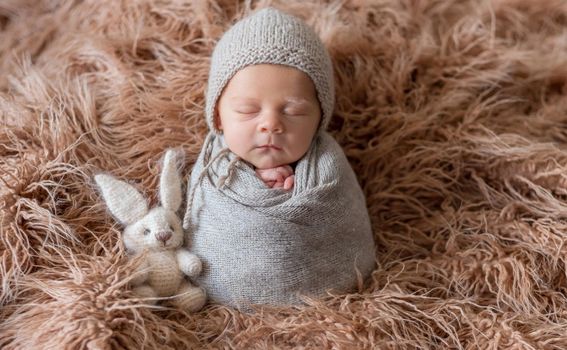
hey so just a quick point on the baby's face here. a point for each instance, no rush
(269, 114)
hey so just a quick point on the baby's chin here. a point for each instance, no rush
(267, 163)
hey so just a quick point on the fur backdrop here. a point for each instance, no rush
(453, 114)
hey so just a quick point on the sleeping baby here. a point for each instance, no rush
(268, 115)
(274, 209)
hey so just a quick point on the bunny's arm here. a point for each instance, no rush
(189, 263)
(141, 273)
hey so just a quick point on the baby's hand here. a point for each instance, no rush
(277, 177)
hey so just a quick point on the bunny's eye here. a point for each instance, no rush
(146, 232)
(171, 228)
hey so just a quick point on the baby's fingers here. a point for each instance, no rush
(288, 184)
(270, 175)
(285, 170)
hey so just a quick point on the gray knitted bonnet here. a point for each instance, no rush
(273, 37)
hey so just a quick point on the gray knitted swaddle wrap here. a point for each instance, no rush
(266, 246)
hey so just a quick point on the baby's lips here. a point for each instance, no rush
(270, 146)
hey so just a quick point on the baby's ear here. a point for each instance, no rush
(216, 118)
(123, 200)
(170, 183)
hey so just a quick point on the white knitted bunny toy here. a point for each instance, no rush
(158, 232)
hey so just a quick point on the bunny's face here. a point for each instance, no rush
(160, 229)
(155, 229)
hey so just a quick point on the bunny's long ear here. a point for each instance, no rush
(170, 183)
(124, 201)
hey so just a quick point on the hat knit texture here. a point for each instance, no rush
(270, 36)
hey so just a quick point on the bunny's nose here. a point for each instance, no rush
(163, 236)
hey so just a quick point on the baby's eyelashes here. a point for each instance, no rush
(247, 110)
(248, 113)
(292, 113)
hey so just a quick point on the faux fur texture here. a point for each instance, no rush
(453, 114)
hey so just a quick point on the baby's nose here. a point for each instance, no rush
(163, 236)
(271, 123)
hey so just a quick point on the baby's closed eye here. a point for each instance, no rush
(247, 110)
(294, 113)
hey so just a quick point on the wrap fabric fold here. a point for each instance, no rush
(270, 246)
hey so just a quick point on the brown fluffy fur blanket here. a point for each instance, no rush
(452, 113)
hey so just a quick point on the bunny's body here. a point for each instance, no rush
(160, 275)
(158, 234)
